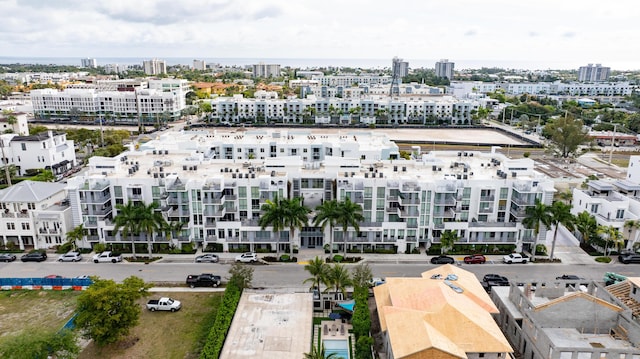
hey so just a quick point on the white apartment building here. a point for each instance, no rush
(162, 101)
(416, 109)
(592, 73)
(88, 62)
(34, 215)
(349, 80)
(115, 68)
(154, 67)
(399, 68)
(444, 68)
(47, 150)
(199, 65)
(217, 183)
(265, 70)
(41, 77)
(462, 89)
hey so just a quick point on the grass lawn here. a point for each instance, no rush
(21, 311)
(165, 334)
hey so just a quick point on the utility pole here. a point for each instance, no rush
(613, 140)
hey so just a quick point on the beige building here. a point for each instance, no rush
(438, 318)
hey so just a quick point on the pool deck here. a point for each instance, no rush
(270, 325)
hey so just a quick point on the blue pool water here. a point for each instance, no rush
(340, 347)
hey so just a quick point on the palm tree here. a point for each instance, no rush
(150, 221)
(320, 353)
(273, 216)
(172, 228)
(295, 216)
(318, 270)
(447, 240)
(338, 278)
(587, 226)
(327, 214)
(127, 220)
(632, 225)
(560, 215)
(350, 214)
(612, 235)
(537, 216)
(76, 234)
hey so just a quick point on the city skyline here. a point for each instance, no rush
(551, 35)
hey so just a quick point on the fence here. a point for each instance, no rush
(44, 283)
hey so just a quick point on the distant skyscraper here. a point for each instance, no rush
(199, 65)
(154, 67)
(400, 68)
(592, 73)
(115, 68)
(444, 68)
(266, 70)
(91, 63)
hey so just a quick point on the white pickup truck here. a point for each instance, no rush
(164, 303)
(515, 258)
(107, 256)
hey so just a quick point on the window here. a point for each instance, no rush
(620, 214)
(11, 226)
(25, 226)
(594, 208)
(31, 205)
(24, 146)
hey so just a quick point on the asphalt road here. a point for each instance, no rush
(292, 275)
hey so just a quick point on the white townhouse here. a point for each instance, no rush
(46, 150)
(215, 184)
(20, 126)
(34, 215)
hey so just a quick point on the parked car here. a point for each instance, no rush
(70, 257)
(515, 258)
(627, 258)
(164, 303)
(7, 257)
(34, 257)
(248, 257)
(494, 280)
(107, 256)
(54, 276)
(568, 277)
(203, 280)
(442, 259)
(475, 258)
(209, 257)
(376, 281)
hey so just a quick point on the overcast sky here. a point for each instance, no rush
(549, 33)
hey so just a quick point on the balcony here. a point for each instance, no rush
(410, 187)
(523, 187)
(485, 209)
(98, 186)
(250, 222)
(448, 213)
(519, 212)
(492, 224)
(135, 197)
(409, 200)
(490, 198)
(212, 187)
(524, 201)
(447, 200)
(393, 198)
(94, 198)
(609, 218)
(370, 224)
(450, 188)
(213, 198)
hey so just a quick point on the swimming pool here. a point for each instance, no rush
(340, 347)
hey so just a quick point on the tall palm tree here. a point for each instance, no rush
(447, 239)
(127, 221)
(587, 225)
(318, 270)
(75, 235)
(327, 214)
(172, 228)
(320, 353)
(273, 216)
(632, 225)
(350, 215)
(295, 216)
(537, 216)
(560, 215)
(338, 278)
(150, 221)
(612, 235)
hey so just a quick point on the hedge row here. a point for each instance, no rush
(224, 317)
(361, 322)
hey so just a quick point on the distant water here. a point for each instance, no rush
(315, 63)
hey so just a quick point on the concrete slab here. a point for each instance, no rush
(270, 325)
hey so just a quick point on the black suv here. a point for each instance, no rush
(203, 280)
(34, 257)
(627, 258)
(442, 260)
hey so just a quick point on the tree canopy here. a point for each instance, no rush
(108, 310)
(566, 134)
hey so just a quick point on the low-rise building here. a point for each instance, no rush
(34, 215)
(46, 150)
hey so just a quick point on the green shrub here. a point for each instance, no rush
(99, 247)
(338, 258)
(220, 327)
(213, 247)
(541, 250)
(64, 248)
(603, 259)
(187, 248)
(285, 258)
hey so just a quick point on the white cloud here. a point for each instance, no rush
(544, 31)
